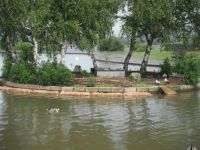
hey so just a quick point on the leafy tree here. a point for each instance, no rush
(10, 14)
(96, 21)
(21, 20)
(34, 24)
(151, 19)
(186, 17)
(53, 26)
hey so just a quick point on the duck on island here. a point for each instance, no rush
(157, 81)
(53, 110)
(166, 80)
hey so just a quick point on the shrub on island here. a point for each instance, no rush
(47, 74)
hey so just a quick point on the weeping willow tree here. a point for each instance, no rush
(10, 15)
(96, 21)
(52, 26)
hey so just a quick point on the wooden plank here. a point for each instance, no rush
(167, 91)
(136, 64)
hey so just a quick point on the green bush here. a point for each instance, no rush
(188, 65)
(139, 47)
(91, 82)
(6, 68)
(111, 44)
(54, 74)
(23, 72)
(47, 74)
(25, 51)
(166, 67)
(26, 72)
(84, 73)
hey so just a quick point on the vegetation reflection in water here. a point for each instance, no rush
(165, 123)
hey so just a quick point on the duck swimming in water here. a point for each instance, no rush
(191, 147)
(53, 110)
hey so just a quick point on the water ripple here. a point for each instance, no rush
(168, 123)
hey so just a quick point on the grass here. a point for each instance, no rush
(161, 55)
(194, 52)
(142, 84)
(155, 55)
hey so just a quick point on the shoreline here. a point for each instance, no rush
(90, 91)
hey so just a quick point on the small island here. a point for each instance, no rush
(99, 74)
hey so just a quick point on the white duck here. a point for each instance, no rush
(166, 80)
(53, 110)
(157, 81)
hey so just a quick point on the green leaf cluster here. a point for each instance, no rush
(189, 66)
(47, 74)
(139, 47)
(53, 23)
(25, 51)
(54, 74)
(166, 67)
(91, 81)
(111, 44)
(22, 72)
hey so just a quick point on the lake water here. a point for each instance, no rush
(155, 123)
(85, 61)
(69, 60)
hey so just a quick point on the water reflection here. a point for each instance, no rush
(165, 123)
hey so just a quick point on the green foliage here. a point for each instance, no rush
(183, 16)
(22, 72)
(6, 67)
(111, 44)
(166, 67)
(84, 73)
(140, 47)
(25, 51)
(91, 81)
(47, 74)
(188, 65)
(149, 19)
(196, 42)
(54, 74)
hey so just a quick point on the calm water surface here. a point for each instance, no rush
(157, 123)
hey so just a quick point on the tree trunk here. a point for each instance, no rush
(63, 51)
(8, 48)
(94, 61)
(146, 55)
(35, 50)
(128, 57)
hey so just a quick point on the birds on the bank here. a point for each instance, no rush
(166, 80)
(53, 110)
(157, 81)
